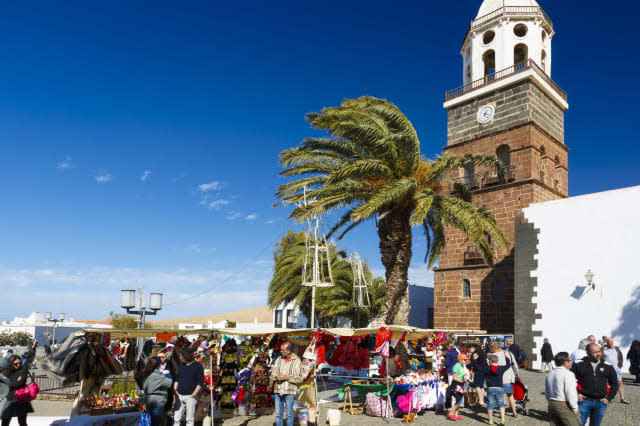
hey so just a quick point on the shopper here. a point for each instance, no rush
(517, 352)
(17, 375)
(478, 376)
(633, 355)
(560, 389)
(510, 374)
(459, 383)
(547, 356)
(494, 374)
(581, 352)
(613, 356)
(451, 359)
(593, 375)
(286, 373)
(186, 387)
(156, 385)
(4, 380)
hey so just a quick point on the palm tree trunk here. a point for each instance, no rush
(394, 231)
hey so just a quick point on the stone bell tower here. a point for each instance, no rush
(509, 107)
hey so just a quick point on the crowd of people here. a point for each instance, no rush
(579, 386)
(490, 369)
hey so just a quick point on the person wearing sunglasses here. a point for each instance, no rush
(17, 375)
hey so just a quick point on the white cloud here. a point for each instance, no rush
(65, 164)
(145, 175)
(90, 293)
(104, 178)
(233, 215)
(216, 204)
(252, 216)
(211, 186)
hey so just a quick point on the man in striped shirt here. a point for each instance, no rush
(287, 375)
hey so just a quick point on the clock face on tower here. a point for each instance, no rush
(485, 114)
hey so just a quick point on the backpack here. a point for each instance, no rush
(521, 357)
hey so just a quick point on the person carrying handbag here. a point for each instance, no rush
(17, 375)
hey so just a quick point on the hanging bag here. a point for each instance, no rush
(29, 392)
(145, 419)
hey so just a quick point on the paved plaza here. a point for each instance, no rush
(617, 414)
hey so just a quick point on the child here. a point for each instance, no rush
(493, 375)
(459, 383)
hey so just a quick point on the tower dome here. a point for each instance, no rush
(489, 6)
(506, 34)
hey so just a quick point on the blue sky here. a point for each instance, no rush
(140, 139)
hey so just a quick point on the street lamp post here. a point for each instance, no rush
(128, 302)
(55, 322)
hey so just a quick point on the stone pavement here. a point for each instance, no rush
(617, 414)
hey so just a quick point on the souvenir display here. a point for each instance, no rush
(228, 371)
(102, 404)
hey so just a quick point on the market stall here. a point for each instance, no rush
(237, 364)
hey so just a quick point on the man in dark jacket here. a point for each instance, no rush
(593, 375)
(547, 356)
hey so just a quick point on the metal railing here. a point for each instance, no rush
(54, 388)
(527, 11)
(472, 256)
(486, 178)
(529, 64)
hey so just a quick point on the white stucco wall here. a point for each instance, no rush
(600, 232)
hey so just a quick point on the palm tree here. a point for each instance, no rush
(331, 302)
(371, 167)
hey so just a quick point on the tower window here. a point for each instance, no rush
(520, 30)
(504, 155)
(488, 37)
(544, 36)
(499, 290)
(489, 59)
(468, 72)
(520, 54)
(466, 289)
(469, 173)
(544, 61)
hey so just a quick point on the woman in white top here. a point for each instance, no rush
(581, 352)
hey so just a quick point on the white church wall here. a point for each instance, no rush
(599, 232)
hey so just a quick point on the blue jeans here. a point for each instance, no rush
(156, 412)
(594, 409)
(280, 400)
(495, 396)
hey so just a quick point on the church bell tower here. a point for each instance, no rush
(509, 107)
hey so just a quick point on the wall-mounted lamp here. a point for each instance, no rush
(589, 277)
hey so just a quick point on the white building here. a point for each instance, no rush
(557, 242)
(37, 326)
(289, 316)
